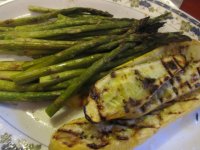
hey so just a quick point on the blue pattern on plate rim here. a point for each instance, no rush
(178, 12)
(152, 7)
(195, 30)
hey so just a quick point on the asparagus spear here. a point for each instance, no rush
(59, 21)
(10, 86)
(25, 43)
(6, 75)
(46, 16)
(3, 29)
(27, 52)
(106, 47)
(62, 76)
(28, 96)
(65, 84)
(40, 9)
(92, 34)
(59, 24)
(76, 63)
(11, 65)
(65, 31)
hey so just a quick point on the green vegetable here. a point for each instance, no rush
(28, 96)
(71, 64)
(40, 9)
(24, 43)
(46, 16)
(7, 75)
(75, 30)
(11, 65)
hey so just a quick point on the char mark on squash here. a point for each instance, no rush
(177, 62)
(94, 94)
(98, 146)
(113, 74)
(169, 66)
(198, 70)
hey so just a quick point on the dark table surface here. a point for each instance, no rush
(192, 7)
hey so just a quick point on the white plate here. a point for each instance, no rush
(25, 125)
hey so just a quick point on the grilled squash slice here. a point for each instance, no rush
(80, 134)
(119, 94)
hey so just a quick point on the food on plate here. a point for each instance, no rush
(124, 91)
(138, 79)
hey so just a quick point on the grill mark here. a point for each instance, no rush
(126, 109)
(164, 64)
(198, 70)
(133, 102)
(166, 78)
(124, 138)
(56, 137)
(94, 94)
(195, 77)
(188, 84)
(69, 145)
(171, 81)
(172, 65)
(143, 108)
(177, 62)
(98, 146)
(137, 72)
(175, 90)
(113, 74)
(153, 88)
(87, 116)
(161, 100)
(159, 117)
(77, 134)
(130, 103)
(178, 78)
(189, 99)
(174, 113)
(81, 123)
(144, 126)
(197, 85)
